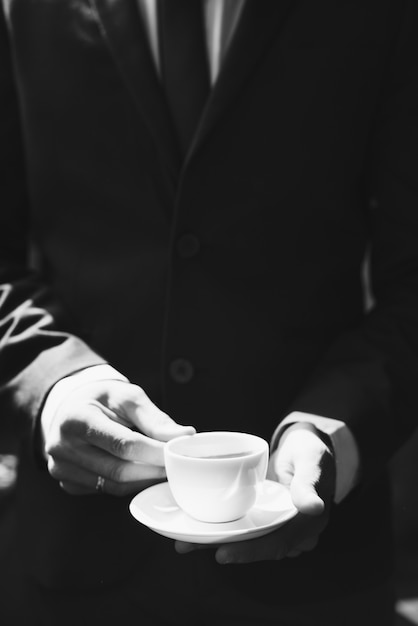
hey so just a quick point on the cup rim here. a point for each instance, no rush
(169, 444)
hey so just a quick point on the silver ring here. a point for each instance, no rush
(100, 484)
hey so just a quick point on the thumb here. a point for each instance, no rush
(307, 472)
(303, 493)
(150, 420)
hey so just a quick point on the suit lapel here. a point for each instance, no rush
(124, 32)
(259, 22)
(126, 37)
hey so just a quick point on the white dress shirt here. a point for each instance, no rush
(221, 19)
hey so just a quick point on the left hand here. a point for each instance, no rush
(305, 464)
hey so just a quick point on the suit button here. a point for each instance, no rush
(181, 371)
(187, 246)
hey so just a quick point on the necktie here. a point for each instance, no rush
(184, 63)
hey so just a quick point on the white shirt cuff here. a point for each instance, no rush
(347, 457)
(64, 387)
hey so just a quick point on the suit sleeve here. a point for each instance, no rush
(37, 346)
(369, 377)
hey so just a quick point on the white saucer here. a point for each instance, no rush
(156, 508)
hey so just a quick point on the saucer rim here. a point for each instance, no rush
(221, 534)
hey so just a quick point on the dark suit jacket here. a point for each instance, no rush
(229, 285)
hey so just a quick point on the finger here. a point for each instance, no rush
(149, 419)
(94, 462)
(183, 547)
(300, 473)
(280, 469)
(276, 545)
(293, 554)
(266, 548)
(75, 490)
(307, 472)
(304, 495)
(76, 481)
(309, 544)
(96, 429)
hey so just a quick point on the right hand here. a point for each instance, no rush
(110, 429)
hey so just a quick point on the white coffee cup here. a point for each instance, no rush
(214, 476)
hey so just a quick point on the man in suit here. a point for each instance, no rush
(198, 222)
